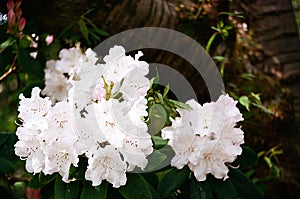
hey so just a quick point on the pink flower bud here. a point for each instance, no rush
(11, 18)
(19, 13)
(18, 3)
(22, 24)
(10, 4)
(99, 93)
(33, 193)
(49, 39)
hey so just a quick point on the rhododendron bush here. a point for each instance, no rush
(86, 131)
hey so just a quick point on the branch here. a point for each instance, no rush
(11, 69)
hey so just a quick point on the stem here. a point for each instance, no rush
(11, 69)
(199, 10)
(211, 39)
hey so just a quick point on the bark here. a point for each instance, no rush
(116, 16)
(275, 29)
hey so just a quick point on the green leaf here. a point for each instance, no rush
(263, 108)
(65, 31)
(166, 90)
(155, 160)
(84, 30)
(4, 136)
(244, 100)
(90, 192)
(6, 58)
(178, 104)
(224, 189)
(64, 190)
(30, 65)
(154, 81)
(6, 166)
(24, 42)
(244, 186)
(159, 142)
(158, 117)
(79, 172)
(7, 152)
(8, 42)
(172, 181)
(136, 187)
(200, 190)
(247, 158)
(41, 180)
(95, 28)
(151, 178)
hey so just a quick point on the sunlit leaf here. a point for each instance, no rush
(244, 100)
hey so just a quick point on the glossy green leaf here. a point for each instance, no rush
(64, 190)
(6, 166)
(79, 172)
(246, 159)
(158, 118)
(6, 58)
(244, 186)
(136, 187)
(24, 42)
(30, 65)
(155, 160)
(178, 104)
(224, 189)
(159, 142)
(4, 136)
(244, 100)
(91, 192)
(172, 181)
(200, 190)
(84, 30)
(40, 180)
(166, 90)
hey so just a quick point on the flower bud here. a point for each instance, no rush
(11, 18)
(18, 3)
(22, 24)
(10, 4)
(49, 39)
(19, 13)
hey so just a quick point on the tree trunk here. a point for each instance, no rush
(114, 17)
(275, 29)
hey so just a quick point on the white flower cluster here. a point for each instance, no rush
(46, 138)
(206, 138)
(59, 74)
(98, 110)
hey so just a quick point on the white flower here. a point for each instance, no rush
(46, 139)
(105, 163)
(135, 84)
(70, 60)
(33, 110)
(60, 149)
(58, 158)
(56, 84)
(29, 148)
(206, 138)
(118, 64)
